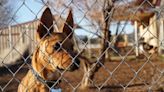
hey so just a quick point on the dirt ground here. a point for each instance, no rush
(128, 75)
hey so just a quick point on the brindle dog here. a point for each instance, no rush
(53, 53)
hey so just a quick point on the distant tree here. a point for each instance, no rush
(5, 13)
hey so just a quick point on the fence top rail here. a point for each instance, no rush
(7, 34)
(16, 25)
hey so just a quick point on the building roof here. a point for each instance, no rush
(137, 10)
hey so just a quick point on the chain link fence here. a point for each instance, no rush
(122, 41)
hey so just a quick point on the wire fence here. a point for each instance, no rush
(83, 46)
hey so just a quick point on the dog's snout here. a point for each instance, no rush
(75, 65)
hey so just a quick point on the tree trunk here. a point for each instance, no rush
(108, 9)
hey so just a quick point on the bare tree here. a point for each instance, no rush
(99, 14)
(5, 13)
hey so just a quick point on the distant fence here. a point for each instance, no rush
(22, 33)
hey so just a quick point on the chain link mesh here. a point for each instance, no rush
(122, 40)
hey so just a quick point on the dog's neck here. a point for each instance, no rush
(42, 67)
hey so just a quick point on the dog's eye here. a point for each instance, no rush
(57, 46)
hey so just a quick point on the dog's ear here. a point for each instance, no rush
(45, 27)
(68, 26)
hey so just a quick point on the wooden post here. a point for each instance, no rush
(27, 33)
(21, 35)
(10, 42)
(153, 30)
(136, 38)
(126, 39)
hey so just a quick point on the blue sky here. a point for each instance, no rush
(28, 10)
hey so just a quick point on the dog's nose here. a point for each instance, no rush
(77, 62)
(75, 65)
